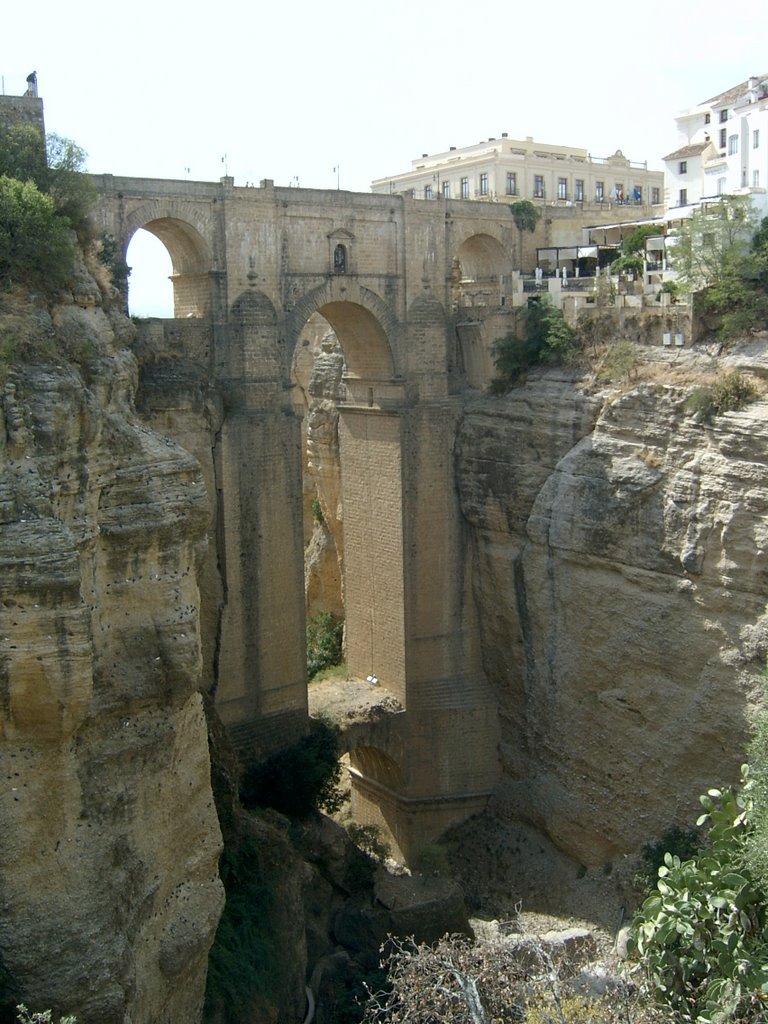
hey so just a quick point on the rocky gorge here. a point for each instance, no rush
(617, 548)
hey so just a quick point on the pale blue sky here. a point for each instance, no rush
(288, 91)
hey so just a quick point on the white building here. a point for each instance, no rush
(723, 149)
(504, 169)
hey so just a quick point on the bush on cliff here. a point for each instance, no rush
(732, 392)
(299, 779)
(43, 196)
(546, 338)
(35, 245)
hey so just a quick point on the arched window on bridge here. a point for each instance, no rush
(340, 259)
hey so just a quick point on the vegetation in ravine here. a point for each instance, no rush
(325, 640)
(244, 963)
(298, 779)
(701, 936)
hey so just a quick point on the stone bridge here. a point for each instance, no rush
(413, 291)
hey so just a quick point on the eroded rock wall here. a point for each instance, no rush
(109, 842)
(620, 577)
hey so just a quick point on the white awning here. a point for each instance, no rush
(587, 251)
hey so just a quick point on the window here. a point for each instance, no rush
(578, 190)
(755, 179)
(465, 188)
(733, 144)
(683, 168)
(707, 118)
(618, 191)
(562, 188)
(511, 183)
(723, 116)
(655, 196)
(427, 191)
(756, 139)
(538, 186)
(683, 201)
(720, 186)
(446, 190)
(723, 133)
(599, 191)
(637, 194)
(483, 184)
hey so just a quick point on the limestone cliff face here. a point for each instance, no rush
(620, 574)
(109, 842)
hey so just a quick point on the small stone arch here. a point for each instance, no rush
(378, 767)
(364, 325)
(189, 251)
(481, 258)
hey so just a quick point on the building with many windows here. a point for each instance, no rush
(723, 149)
(504, 169)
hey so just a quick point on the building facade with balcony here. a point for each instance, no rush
(723, 149)
(506, 169)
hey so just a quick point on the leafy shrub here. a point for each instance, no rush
(430, 859)
(368, 838)
(325, 634)
(546, 338)
(35, 246)
(111, 257)
(671, 288)
(730, 393)
(317, 511)
(680, 842)
(300, 778)
(25, 1016)
(703, 934)
(621, 361)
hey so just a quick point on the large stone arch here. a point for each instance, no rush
(370, 455)
(179, 228)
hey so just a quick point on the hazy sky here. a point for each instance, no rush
(291, 90)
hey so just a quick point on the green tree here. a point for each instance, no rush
(23, 154)
(71, 189)
(721, 255)
(546, 338)
(526, 217)
(325, 636)
(35, 247)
